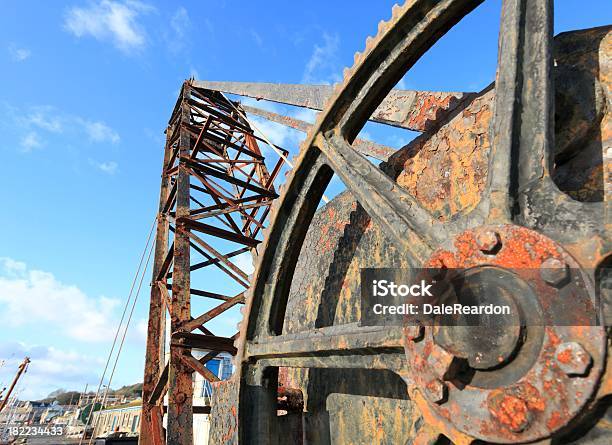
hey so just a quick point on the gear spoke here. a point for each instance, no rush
(392, 207)
(328, 341)
(523, 120)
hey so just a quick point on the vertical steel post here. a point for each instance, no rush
(180, 386)
(154, 361)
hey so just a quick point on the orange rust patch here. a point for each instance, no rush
(446, 171)
(565, 356)
(555, 422)
(521, 249)
(511, 412)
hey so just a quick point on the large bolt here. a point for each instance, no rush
(573, 359)
(436, 391)
(414, 332)
(510, 410)
(555, 272)
(488, 241)
(442, 362)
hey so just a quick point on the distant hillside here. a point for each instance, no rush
(134, 390)
(63, 397)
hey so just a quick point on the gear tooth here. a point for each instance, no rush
(346, 72)
(395, 10)
(356, 58)
(369, 41)
(381, 26)
(337, 87)
(239, 326)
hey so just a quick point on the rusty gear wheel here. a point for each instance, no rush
(521, 219)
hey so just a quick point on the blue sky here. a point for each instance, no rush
(87, 87)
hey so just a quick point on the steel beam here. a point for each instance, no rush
(412, 110)
(180, 387)
(363, 146)
(155, 352)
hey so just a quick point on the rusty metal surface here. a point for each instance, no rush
(224, 413)
(22, 369)
(303, 308)
(486, 184)
(412, 110)
(446, 170)
(155, 350)
(584, 103)
(533, 394)
(363, 420)
(215, 196)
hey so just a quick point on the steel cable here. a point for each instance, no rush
(127, 303)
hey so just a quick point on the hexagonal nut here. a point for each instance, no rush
(509, 410)
(441, 362)
(573, 359)
(555, 272)
(488, 241)
(414, 332)
(436, 391)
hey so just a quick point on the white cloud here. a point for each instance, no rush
(30, 142)
(108, 167)
(141, 329)
(39, 122)
(45, 118)
(397, 140)
(35, 298)
(278, 134)
(245, 262)
(194, 73)
(208, 25)
(180, 22)
(107, 20)
(98, 131)
(257, 38)
(50, 368)
(19, 54)
(323, 66)
(306, 114)
(13, 268)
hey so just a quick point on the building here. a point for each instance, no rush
(51, 412)
(126, 417)
(7, 413)
(221, 366)
(68, 417)
(111, 399)
(122, 418)
(28, 412)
